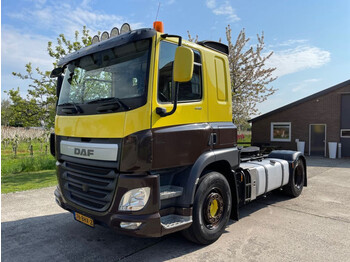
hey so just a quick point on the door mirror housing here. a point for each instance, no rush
(183, 64)
(59, 85)
(56, 72)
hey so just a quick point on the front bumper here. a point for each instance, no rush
(149, 216)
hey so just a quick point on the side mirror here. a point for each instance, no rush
(59, 85)
(56, 72)
(183, 64)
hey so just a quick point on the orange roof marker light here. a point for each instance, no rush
(158, 26)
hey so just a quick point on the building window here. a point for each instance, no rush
(345, 133)
(281, 131)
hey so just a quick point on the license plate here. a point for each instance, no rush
(84, 219)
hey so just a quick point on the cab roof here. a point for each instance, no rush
(119, 40)
(132, 36)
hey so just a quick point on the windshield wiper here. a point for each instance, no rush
(76, 108)
(111, 100)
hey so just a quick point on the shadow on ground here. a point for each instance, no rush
(59, 237)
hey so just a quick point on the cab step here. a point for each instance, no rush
(171, 221)
(169, 191)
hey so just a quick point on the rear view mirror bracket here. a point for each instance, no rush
(161, 111)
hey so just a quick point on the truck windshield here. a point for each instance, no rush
(117, 74)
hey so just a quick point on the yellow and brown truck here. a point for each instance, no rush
(145, 143)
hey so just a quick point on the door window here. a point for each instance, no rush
(188, 91)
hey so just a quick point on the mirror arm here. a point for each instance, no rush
(177, 36)
(162, 111)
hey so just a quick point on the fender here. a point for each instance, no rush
(291, 157)
(231, 156)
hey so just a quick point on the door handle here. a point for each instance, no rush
(213, 139)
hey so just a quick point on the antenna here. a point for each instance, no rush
(157, 11)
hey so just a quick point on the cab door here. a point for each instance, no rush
(181, 137)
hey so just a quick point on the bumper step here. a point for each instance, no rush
(167, 192)
(171, 221)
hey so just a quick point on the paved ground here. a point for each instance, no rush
(313, 227)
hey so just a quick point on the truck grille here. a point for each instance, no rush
(89, 187)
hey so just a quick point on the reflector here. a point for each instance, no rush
(114, 32)
(125, 28)
(95, 39)
(104, 36)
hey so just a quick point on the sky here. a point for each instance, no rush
(310, 39)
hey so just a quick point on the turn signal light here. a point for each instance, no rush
(158, 26)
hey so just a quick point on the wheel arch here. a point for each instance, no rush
(292, 157)
(222, 161)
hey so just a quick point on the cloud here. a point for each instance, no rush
(211, 4)
(15, 47)
(288, 43)
(296, 59)
(312, 80)
(224, 9)
(17, 50)
(66, 18)
(43, 22)
(292, 42)
(304, 84)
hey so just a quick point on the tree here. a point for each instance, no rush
(23, 112)
(42, 92)
(5, 112)
(250, 78)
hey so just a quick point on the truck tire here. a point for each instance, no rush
(211, 209)
(296, 180)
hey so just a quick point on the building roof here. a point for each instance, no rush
(298, 102)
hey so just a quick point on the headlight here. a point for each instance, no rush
(135, 199)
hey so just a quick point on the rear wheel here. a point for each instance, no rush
(296, 180)
(211, 209)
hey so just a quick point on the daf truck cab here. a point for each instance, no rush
(145, 143)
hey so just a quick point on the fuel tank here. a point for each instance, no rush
(266, 175)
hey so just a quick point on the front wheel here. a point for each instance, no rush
(211, 209)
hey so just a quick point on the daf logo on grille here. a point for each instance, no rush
(83, 151)
(85, 187)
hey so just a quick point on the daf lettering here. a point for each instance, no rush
(94, 151)
(83, 152)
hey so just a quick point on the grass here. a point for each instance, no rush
(27, 181)
(26, 164)
(25, 172)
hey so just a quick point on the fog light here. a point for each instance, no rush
(135, 199)
(130, 225)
